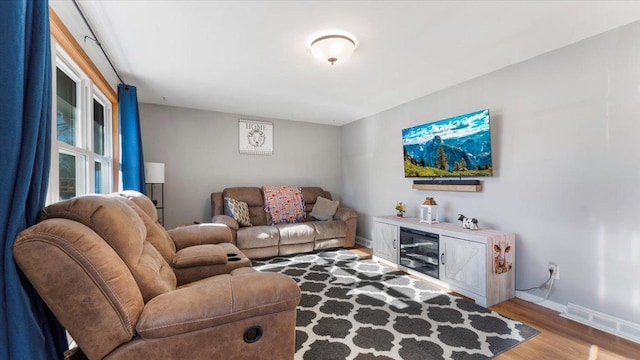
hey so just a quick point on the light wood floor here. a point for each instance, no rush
(559, 338)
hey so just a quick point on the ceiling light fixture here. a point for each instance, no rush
(333, 48)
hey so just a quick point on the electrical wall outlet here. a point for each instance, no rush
(556, 270)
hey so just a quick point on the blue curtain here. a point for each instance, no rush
(27, 328)
(132, 160)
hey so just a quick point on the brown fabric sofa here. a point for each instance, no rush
(263, 240)
(194, 252)
(92, 262)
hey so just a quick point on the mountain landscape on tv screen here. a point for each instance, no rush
(454, 147)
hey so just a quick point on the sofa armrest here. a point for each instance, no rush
(217, 204)
(200, 234)
(350, 217)
(217, 300)
(344, 214)
(202, 255)
(226, 220)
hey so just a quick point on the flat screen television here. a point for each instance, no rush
(455, 147)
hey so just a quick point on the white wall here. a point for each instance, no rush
(566, 146)
(200, 152)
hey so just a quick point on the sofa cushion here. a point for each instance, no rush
(310, 195)
(324, 209)
(253, 197)
(330, 229)
(296, 233)
(156, 234)
(239, 210)
(115, 221)
(257, 237)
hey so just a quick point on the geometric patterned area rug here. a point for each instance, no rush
(354, 308)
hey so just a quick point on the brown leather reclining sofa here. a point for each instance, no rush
(262, 240)
(125, 288)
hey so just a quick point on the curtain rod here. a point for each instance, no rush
(95, 39)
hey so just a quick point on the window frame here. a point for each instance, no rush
(70, 58)
(108, 140)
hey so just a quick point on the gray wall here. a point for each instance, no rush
(566, 137)
(200, 152)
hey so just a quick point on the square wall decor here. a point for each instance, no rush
(256, 137)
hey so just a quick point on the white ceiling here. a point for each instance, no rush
(251, 57)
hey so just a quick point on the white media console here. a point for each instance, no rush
(477, 264)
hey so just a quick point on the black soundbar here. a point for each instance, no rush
(446, 182)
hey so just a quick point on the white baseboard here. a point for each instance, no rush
(364, 242)
(597, 320)
(607, 323)
(541, 301)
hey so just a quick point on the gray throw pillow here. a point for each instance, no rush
(324, 209)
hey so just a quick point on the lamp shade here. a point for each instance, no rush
(154, 173)
(332, 48)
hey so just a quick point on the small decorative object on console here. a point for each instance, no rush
(468, 223)
(429, 211)
(401, 208)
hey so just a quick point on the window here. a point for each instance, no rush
(82, 156)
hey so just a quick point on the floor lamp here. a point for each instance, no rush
(154, 175)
